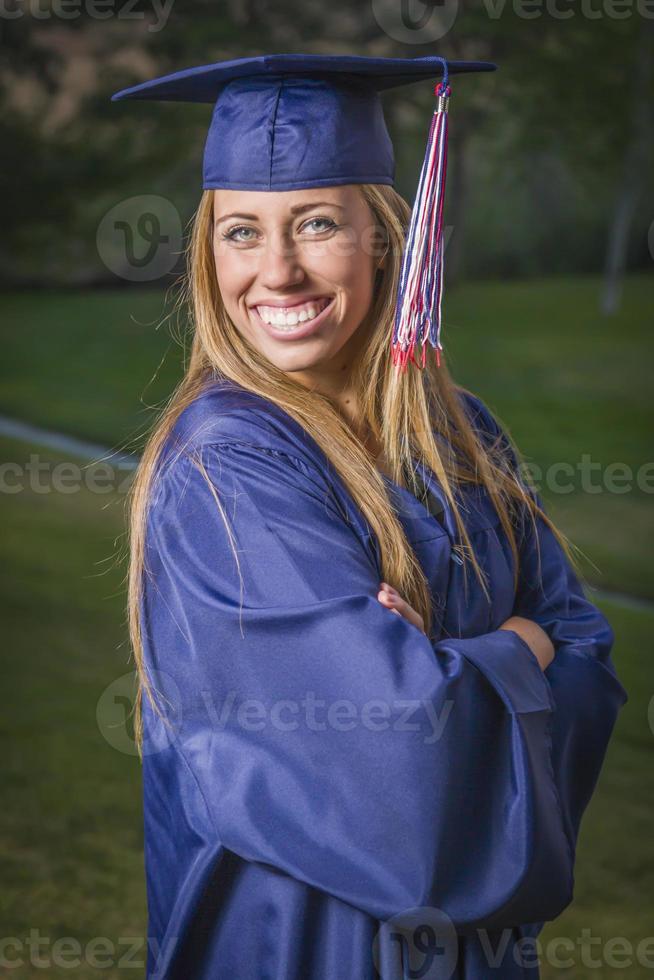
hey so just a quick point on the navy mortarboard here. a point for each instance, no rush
(283, 122)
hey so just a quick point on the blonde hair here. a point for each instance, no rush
(405, 412)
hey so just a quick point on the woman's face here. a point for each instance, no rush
(296, 272)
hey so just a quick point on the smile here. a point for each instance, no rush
(294, 321)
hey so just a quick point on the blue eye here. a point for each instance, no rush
(234, 234)
(231, 234)
(330, 224)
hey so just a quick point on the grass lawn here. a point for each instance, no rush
(562, 379)
(72, 837)
(615, 866)
(71, 826)
(563, 382)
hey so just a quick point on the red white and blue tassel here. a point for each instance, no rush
(418, 307)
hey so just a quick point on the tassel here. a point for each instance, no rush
(418, 308)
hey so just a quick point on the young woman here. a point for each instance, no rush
(374, 699)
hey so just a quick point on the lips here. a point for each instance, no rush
(297, 312)
(284, 305)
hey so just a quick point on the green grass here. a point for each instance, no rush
(564, 380)
(71, 824)
(72, 835)
(567, 382)
(615, 870)
(92, 364)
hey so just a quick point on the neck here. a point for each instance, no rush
(334, 381)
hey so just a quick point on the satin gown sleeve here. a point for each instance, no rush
(331, 739)
(586, 693)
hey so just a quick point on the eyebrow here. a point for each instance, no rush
(298, 209)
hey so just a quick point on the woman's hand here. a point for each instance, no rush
(534, 636)
(391, 598)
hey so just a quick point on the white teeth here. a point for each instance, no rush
(277, 318)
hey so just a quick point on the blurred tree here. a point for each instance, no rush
(636, 168)
(536, 150)
(583, 91)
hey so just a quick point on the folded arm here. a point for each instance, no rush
(330, 738)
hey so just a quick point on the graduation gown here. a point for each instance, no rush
(336, 795)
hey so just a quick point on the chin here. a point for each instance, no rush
(298, 360)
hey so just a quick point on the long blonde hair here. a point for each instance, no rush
(404, 413)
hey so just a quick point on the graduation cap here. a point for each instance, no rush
(288, 121)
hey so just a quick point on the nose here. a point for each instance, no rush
(280, 264)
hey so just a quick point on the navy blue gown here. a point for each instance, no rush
(331, 794)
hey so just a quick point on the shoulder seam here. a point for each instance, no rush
(295, 461)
